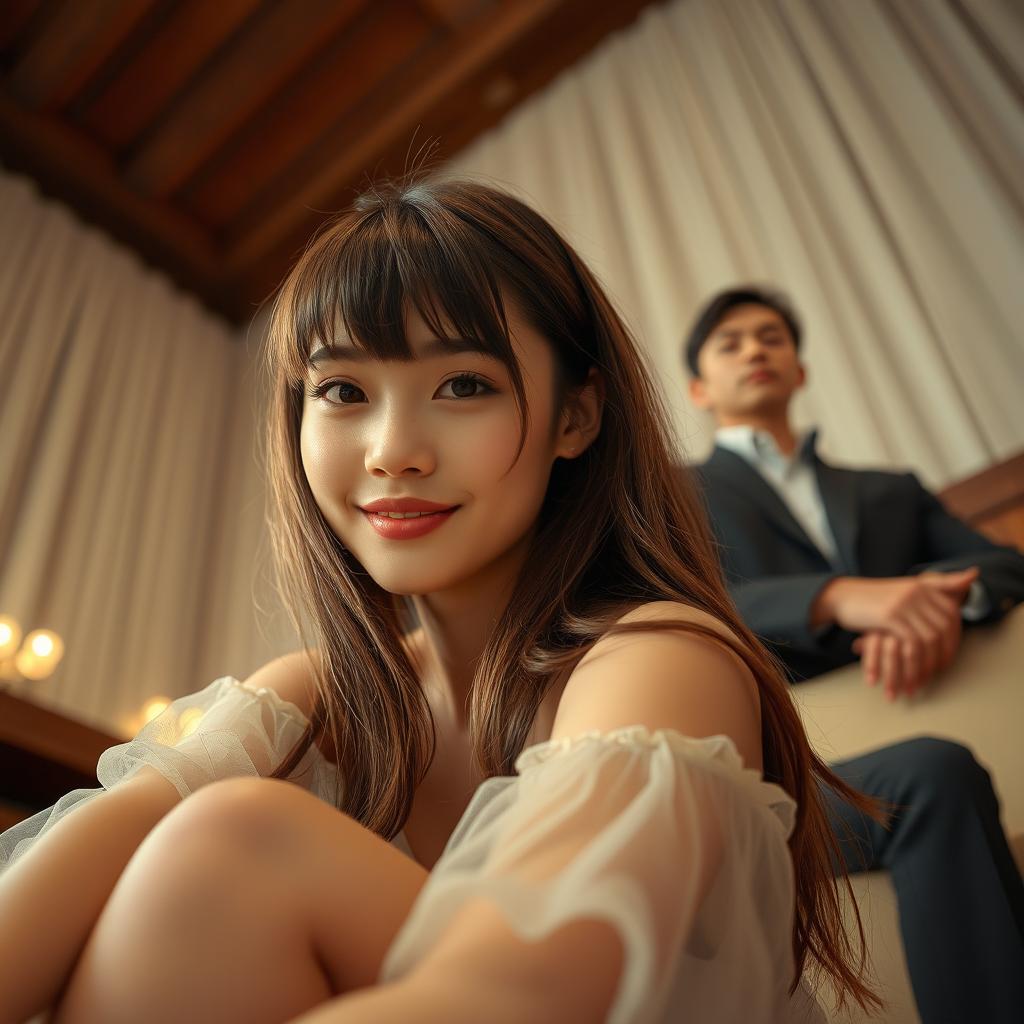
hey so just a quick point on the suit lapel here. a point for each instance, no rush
(839, 493)
(741, 475)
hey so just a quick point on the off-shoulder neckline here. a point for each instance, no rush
(717, 753)
(272, 695)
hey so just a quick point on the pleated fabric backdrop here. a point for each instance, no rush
(131, 507)
(864, 155)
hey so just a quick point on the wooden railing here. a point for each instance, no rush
(992, 501)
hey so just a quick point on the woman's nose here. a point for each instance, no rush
(399, 448)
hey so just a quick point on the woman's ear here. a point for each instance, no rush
(581, 416)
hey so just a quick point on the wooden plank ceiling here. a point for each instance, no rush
(213, 135)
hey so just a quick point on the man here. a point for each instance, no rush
(829, 565)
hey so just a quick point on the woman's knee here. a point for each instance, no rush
(202, 881)
(250, 813)
(214, 849)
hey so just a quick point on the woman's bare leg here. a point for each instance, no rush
(252, 901)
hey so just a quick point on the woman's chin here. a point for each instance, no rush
(408, 584)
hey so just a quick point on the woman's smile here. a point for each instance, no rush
(406, 525)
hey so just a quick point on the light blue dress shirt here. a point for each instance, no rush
(792, 477)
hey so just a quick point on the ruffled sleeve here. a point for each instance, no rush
(665, 837)
(223, 731)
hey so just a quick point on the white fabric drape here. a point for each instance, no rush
(864, 155)
(667, 838)
(130, 502)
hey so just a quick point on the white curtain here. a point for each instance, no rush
(864, 155)
(131, 505)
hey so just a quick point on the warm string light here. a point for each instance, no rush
(37, 655)
(186, 723)
(34, 657)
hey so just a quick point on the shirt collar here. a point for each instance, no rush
(759, 447)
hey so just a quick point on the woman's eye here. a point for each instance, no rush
(465, 386)
(348, 394)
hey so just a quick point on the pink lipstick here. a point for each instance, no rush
(418, 517)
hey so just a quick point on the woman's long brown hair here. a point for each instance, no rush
(620, 526)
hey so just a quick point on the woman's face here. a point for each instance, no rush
(440, 429)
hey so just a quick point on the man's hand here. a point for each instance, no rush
(860, 604)
(911, 625)
(903, 666)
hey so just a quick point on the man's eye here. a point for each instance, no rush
(466, 385)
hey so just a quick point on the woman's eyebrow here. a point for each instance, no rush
(436, 347)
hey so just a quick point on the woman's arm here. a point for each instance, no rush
(50, 898)
(568, 897)
(53, 893)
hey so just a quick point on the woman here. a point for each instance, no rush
(573, 785)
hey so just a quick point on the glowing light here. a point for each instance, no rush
(153, 707)
(42, 645)
(189, 720)
(10, 636)
(40, 654)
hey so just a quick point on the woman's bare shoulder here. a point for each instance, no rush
(655, 611)
(291, 677)
(664, 611)
(675, 675)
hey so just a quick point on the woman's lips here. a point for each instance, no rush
(408, 529)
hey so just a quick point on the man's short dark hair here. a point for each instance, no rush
(716, 308)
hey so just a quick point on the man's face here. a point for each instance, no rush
(748, 366)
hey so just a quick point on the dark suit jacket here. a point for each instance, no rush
(885, 524)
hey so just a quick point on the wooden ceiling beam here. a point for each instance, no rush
(65, 163)
(463, 115)
(471, 50)
(386, 36)
(17, 15)
(267, 54)
(79, 37)
(143, 88)
(454, 13)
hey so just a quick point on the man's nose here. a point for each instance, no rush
(754, 350)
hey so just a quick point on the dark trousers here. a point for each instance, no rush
(959, 891)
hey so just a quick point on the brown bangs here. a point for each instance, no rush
(359, 275)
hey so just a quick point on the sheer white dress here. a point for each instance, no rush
(666, 837)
